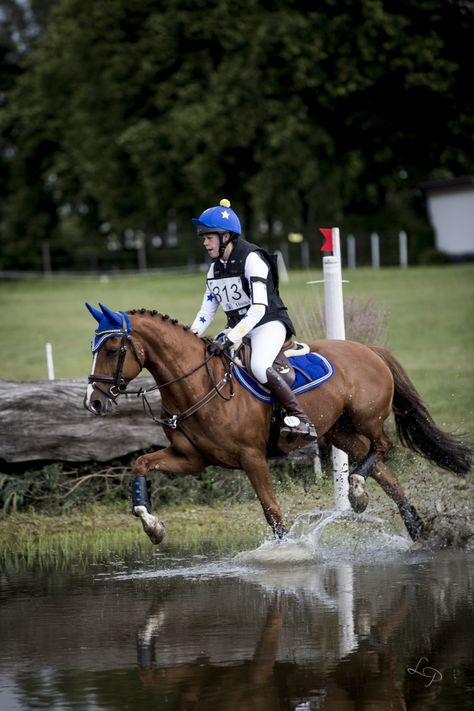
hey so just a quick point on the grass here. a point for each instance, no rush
(93, 533)
(430, 323)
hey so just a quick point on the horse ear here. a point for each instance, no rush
(111, 315)
(95, 312)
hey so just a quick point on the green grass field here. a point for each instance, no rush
(430, 323)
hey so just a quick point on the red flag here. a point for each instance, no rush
(327, 234)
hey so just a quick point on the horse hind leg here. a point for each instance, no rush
(368, 450)
(375, 466)
(359, 450)
(358, 496)
(385, 477)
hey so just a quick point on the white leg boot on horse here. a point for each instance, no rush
(296, 423)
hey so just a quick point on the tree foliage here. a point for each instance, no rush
(128, 111)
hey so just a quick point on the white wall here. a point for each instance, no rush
(452, 215)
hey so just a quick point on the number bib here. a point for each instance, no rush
(229, 293)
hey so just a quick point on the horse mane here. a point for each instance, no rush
(156, 314)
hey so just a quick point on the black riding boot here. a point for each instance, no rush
(296, 421)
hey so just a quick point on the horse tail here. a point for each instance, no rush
(416, 428)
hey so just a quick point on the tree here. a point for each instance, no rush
(126, 110)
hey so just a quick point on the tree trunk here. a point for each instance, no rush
(46, 420)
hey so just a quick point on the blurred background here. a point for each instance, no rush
(120, 120)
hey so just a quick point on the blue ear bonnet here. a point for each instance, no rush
(110, 324)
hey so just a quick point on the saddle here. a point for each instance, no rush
(301, 374)
(242, 353)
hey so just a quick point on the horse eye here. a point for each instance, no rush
(112, 351)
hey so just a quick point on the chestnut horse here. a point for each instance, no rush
(209, 421)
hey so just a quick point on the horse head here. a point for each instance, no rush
(116, 359)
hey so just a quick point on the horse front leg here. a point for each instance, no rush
(170, 460)
(256, 467)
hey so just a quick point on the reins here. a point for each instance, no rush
(174, 421)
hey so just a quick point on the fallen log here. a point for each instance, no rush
(46, 420)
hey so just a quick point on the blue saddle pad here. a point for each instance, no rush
(316, 370)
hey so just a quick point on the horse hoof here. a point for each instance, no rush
(413, 523)
(152, 527)
(358, 497)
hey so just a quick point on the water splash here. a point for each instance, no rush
(319, 536)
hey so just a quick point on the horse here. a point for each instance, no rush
(211, 420)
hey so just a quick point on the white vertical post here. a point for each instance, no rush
(351, 252)
(333, 301)
(141, 253)
(304, 255)
(375, 248)
(49, 361)
(334, 312)
(403, 248)
(46, 254)
(282, 270)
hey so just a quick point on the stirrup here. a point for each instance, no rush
(294, 425)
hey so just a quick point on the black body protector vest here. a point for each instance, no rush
(232, 290)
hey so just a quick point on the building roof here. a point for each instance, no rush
(444, 183)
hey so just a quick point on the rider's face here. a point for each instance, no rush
(211, 244)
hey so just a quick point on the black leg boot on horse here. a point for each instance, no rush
(296, 423)
(141, 507)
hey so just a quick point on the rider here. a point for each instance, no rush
(244, 281)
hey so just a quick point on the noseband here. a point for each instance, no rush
(117, 383)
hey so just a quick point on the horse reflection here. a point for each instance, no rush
(247, 686)
(300, 656)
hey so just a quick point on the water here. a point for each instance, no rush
(340, 616)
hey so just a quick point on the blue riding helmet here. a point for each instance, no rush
(220, 218)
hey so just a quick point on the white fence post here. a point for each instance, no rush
(305, 265)
(375, 249)
(282, 270)
(403, 248)
(49, 361)
(351, 252)
(334, 312)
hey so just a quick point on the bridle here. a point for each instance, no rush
(117, 384)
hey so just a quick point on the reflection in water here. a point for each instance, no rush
(181, 634)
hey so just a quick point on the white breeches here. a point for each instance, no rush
(267, 341)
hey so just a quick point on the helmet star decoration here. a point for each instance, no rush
(225, 214)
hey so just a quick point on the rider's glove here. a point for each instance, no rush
(219, 344)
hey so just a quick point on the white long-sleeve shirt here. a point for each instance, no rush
(255, 267)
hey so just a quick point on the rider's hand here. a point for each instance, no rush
(219, 344)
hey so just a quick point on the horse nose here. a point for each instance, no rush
(97, 406)
(101, 407)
